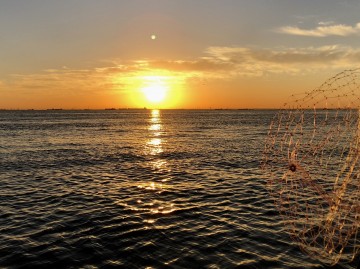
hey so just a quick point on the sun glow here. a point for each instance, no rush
(155, 92)
(155, 89)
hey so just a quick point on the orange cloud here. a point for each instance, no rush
(217, 63)
(200, 65)
(233, 66)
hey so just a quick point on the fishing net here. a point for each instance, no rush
(312, 156)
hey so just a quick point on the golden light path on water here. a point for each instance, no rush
(154, 144)
(156, 184)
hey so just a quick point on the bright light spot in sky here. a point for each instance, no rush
(153, 37)
(155, 92)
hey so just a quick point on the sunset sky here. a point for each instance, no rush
(76, 54)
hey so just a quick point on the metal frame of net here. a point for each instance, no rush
(312, 160)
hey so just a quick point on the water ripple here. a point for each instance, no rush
(94, 189)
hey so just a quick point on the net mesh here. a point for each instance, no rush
(312, 158)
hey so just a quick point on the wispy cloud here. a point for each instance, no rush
(198, 65)
(255, 62)
(216, 63)
(62, 80)
(324, 29)
(326, 22)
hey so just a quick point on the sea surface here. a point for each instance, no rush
(139, 189)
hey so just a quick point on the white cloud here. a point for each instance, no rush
(326, 22)
(325, 29)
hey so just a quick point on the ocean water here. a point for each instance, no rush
(139, 189)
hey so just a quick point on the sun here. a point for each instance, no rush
(155, 89)
(155, 93)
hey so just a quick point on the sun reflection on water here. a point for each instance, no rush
(155, 127)
(152, 201)
(155, 116)
(154, 144)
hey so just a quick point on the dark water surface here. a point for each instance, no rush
(139, 189)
